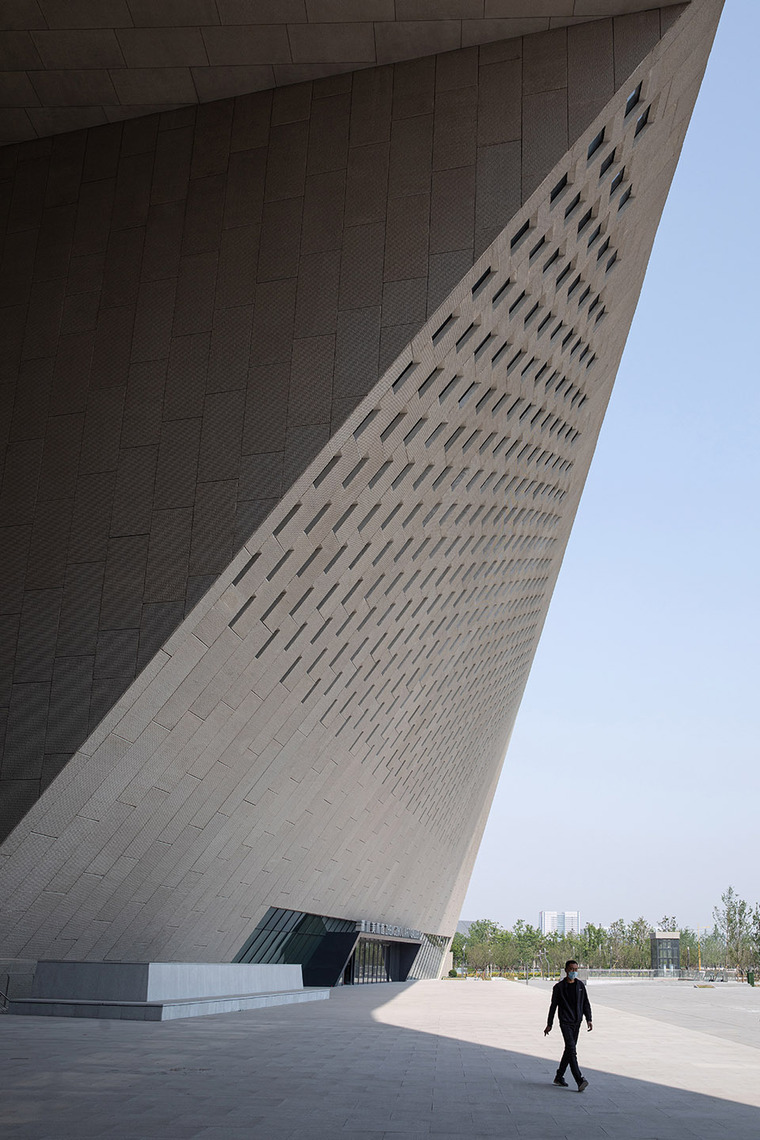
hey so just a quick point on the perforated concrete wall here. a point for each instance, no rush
(193, 303)
(325, 729)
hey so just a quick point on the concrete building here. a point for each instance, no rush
(310, 316)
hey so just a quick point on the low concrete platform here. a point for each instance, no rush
(160, 991)
(398, 1062)
(162, 1010)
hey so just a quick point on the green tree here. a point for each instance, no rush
(527, 941)
(458, 948)
(593, 945)
(554, 948)
(754, 936)
(479, 955)
(504, 952)
(639, 955)
(733, 919)
(483, 930)
(713, 948)
(617, 942)
(689, 948)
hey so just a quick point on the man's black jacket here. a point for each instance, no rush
(571, 1001)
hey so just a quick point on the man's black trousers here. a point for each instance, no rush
(570, 1031)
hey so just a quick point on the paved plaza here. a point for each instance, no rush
(666, 1061)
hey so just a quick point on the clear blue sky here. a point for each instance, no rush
(644, 690)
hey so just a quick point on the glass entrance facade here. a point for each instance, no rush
(370, 962)
(332, 951)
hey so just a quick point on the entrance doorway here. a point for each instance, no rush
(379, 960)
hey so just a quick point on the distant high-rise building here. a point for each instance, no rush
(569, 922)
(547, 920)
(559, 922)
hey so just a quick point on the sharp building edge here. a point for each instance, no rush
(323, 732)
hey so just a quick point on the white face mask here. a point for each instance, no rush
(572, 974)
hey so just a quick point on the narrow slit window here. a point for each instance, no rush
(558, 189)
(633, 100)
(498, 355)
(594, 236)
(532, 313)
(434, 435)
(484, 399)
(572, 205)
(482, 347)
(520, 234)
(516, 303)
(355, 471)
(616, 181)
(442, 329)
(499, 294)
(482, 281)
(397, 419)
(326, 470)
(585, 220)
(468, 394)
(242, 573)
(447, 391)
(624, 198)
(607, 163)
(426, 383)
(366, 422)
(410, 435)
(641, 122)
(595, 143)
(539, 245)
(402, 379)
(462, 341)
(551, 261)
(379, 474)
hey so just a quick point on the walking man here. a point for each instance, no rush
(570, 999)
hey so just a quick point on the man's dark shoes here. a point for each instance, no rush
(560, 1081)
(583, 1085)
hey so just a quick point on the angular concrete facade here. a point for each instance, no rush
(303, 388)
(195, 302)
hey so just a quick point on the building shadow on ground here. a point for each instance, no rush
(337, 1069)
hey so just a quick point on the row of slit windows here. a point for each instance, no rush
(480, 284)
(633, 101)
(556, 425)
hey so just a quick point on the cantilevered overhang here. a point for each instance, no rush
(71, 64)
